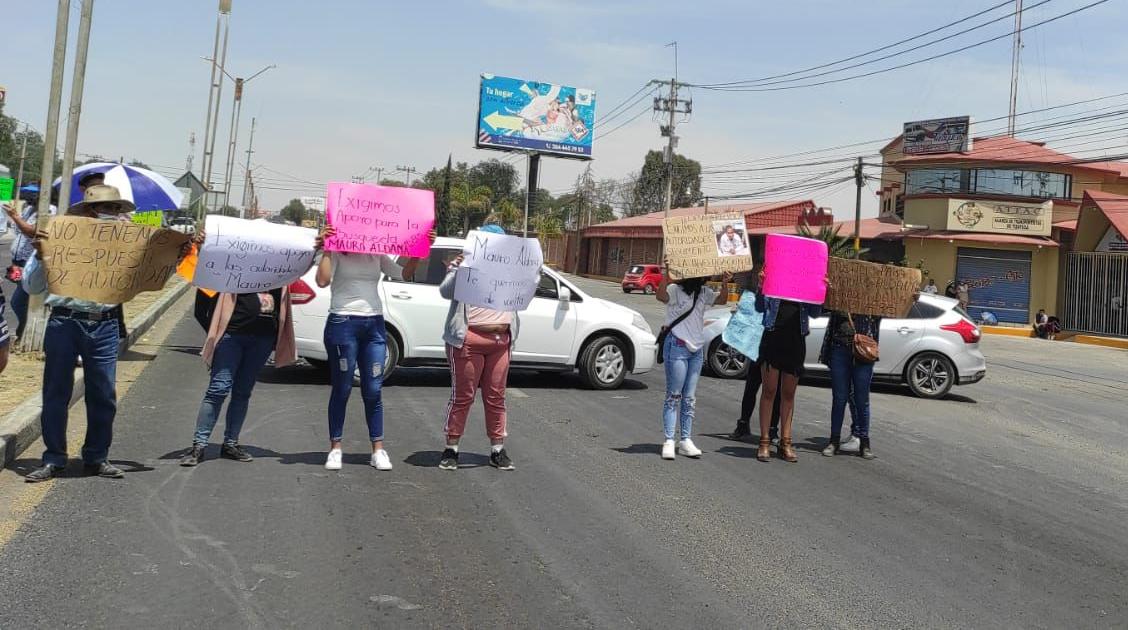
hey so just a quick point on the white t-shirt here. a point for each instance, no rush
(691, 330)
(356, 283)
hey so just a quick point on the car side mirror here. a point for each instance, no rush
(565, 296)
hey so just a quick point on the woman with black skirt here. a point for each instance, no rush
(782, 352)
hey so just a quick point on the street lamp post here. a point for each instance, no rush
(240, 85)
(215, 91)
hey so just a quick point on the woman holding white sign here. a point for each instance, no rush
(355, 336)
(682, 349)
(479, 342)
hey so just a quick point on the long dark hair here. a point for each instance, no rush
(692, 286)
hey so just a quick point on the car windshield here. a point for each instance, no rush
(635, 269)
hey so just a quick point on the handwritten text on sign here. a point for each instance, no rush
(241, 256)
(108, 261)
(867, 288)
(795, 268)
(498, 271)
(691, 246)
(379, 219)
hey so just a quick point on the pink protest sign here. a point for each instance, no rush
(372, 219)
(795, 268)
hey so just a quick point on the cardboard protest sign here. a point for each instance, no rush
(745, 328)
(379, 219)
(795, 268)
(108, 261)
(693, 245)
(498, 271)
(243, 256)
(866, 288)
(154, 219)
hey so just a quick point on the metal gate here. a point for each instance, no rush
(998, 281)
(1096, 294)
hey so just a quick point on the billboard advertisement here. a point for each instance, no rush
(519, 115)
(1000, 217)
(939, 135)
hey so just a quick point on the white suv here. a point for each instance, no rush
(563, 328)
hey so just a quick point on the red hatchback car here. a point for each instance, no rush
(644, 277)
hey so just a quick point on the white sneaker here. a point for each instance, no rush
(333, 462)
(688, 448)
(851, 445)
(668, 449)
(380, 460)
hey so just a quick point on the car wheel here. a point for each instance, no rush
(626, 290)
(392, 357)
(603, 364)
(930, 375)
(648, 289)
(725, 361)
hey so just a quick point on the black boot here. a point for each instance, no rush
(832, 447)
(742, 431)
(864, 451)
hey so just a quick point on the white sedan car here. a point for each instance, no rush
(932, 349)
(563, 328)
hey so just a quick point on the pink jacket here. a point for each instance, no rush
(284, 351)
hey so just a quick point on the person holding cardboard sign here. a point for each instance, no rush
(355, 336)
(849, 350)
(479, 341)
(79, 329)
(682, 347)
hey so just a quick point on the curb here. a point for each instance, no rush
(1008, 331)
(20, 428)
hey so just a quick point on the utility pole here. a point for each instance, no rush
(78, 82)
(233, 133)
(1016, 55)
(32, 339)
(247, 171)
(532, 179)
(407, 170)
(673, 106)
(191, 152)
(859, 181)
(215, 93)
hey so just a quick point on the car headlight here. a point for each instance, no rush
(640, 323)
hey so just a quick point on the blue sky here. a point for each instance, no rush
(374, 83)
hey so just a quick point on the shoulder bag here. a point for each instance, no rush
(865, 347)
(666, 329)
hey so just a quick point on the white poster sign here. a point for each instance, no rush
(498, 271)
(243, 256)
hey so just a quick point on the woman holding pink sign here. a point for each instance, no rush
(355, 337)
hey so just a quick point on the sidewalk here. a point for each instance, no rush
(1092, 340)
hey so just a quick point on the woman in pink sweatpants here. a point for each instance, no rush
(478, 345)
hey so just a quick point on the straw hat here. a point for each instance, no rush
(104, 194)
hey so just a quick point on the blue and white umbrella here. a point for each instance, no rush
(147, 190)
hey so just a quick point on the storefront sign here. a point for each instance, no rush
(939, 135)
(1113, 242)
(1000, 217)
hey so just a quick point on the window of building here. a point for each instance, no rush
(936, 180)
(999, 181)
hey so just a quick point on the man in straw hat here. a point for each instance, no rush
(79, 329)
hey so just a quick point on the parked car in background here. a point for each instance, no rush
(643, 278)
(931, 350)
(184, 225)
(563, 329)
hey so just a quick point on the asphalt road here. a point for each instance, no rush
(1003, 506)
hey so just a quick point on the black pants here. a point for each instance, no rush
(752, 382)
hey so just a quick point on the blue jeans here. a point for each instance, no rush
(20, 300)
(683, 369)
(351, 340)
(235, 364)
(850, 384)
(97, 343)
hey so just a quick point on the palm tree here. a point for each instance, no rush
(467, 201)
(837, 245)
(547, 226)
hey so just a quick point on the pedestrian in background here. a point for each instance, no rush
(5, 337)
(479, 343)
(752, 381)
(22, 249)
(683, 350)
(963, 294)
(242, 330)
(930, 288)
(355, 336)
(782, 351)
(851, 376)
(79, 329)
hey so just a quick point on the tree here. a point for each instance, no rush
(546, 226)
(650, 187)
(500, 177)
(140, 164)
(12, 134)
(507, 214)
(470, 203)
(294, 212)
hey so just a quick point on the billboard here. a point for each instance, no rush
(314, 203)
(519, 115)
(939, 135)
(1000, 217)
